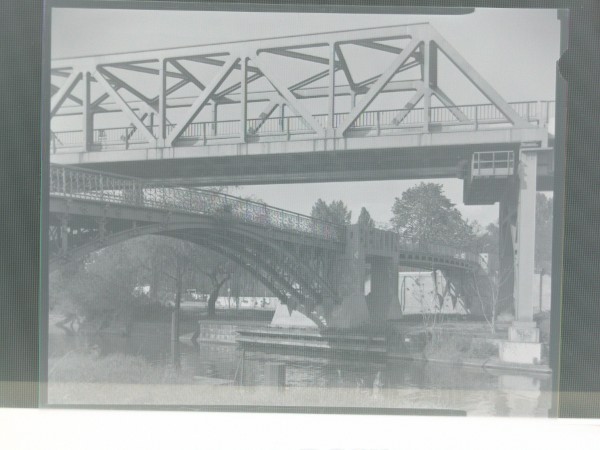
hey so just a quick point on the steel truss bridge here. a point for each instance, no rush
(302, 105)
(292, 254)
(294, 109)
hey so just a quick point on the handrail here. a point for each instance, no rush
(210, 129)
(440, 250)
(92, 185)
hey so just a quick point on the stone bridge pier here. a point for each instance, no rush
(369, 253)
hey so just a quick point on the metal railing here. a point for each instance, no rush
(438, 251)
(433, 250)
(85, 184)
(493, 164)
(474, 117)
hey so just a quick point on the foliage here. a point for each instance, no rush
(336, 212)
(424, 214)
(364, 218)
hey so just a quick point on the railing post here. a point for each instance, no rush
(64, 180)
(378, 124)
(476, 117)
(204, 132)
(287, 126)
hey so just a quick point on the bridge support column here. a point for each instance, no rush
(382, 301)
(523, 345)
(349, 276)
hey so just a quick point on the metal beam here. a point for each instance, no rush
(243, 100)
(87, 116)
(442, 97)
(344, 65)
(124, 106)
(331, 108)
(149, 70)
(59, 98)
(265, 96)
(378, 46)
(250, 46)
(190, 76)
(71, 97)
(291, 100)
(296, 55)
(478, 81)
(378, 86)
(202, 100)
(408, 107)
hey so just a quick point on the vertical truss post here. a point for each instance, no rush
(427, 44)
(162, 102)
(331, 109)
(244, 99)
(433, 65)
(215, 114)
(87, 114)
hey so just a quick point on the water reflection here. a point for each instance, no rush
(403, 384)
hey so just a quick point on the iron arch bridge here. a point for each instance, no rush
(297, 257)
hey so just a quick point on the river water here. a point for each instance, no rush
(318, 381)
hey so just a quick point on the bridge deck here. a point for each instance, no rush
(89, 193)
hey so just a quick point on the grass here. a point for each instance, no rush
(79, 366)
(456, 347)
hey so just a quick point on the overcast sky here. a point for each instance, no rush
(514, 50)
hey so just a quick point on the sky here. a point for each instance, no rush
(514, 50)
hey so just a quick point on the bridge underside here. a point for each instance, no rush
(315, 167)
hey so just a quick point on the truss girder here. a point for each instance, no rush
(263, 60)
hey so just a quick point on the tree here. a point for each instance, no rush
(424, 214)
(336, 212)
(364, 218)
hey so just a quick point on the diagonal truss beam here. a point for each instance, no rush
(442, 97)
(298, 55)
(59, 98)
(202, 100)
(478, 81)
(377, 46)
(409, 106)
(379, 85)
(267, 112)
(123, 105)
(290, 99)
(187, 74)
(366, 83)
(71, 97)
(344, 65)
(235, 87)
(141, 69)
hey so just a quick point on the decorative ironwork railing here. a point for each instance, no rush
(85, 184)
(431, 250)
(440, 251)
(473, 117)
